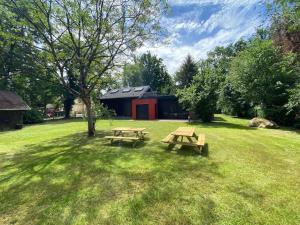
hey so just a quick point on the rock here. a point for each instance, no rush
(262, 123)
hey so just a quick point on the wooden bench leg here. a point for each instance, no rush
(190, 139)
(199, 149)
(134, 144)
(171, 146)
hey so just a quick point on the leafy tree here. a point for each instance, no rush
(288, 10)
(148, 69)
(68, 97)
(285, 31)
(132, 74)
(186, 72)
(16, 55)
(208, 91)
(37, 89)
(91, 36)
(22, 65)
(201, 96)
(218, 62)
(263, 76)
(231, 101)
(294, 100)
(285, 27)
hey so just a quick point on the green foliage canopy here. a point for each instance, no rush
(148, 69)
(263, 75)
(186, 72)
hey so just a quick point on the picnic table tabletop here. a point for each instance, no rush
(128, 129)
(184, 131)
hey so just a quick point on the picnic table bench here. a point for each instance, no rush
(121, 134)
(177, 136)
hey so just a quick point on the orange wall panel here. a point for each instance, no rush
(152, 105)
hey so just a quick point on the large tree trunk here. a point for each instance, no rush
(90, 116)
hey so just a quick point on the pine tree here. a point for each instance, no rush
(186, 72)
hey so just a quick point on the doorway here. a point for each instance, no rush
(142, 112)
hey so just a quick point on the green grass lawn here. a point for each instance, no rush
(54, 174)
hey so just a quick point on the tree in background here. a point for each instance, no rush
(285, 32)
(201, 95)
(293, 104)
(206, 94)
(91, 36)
(15, 48)
(68, 97)
(230, 100)
(246, 79)
(263, 76)
(149, 70)
(285, 27)
(22, 65)
(186, 72)
(132, 74)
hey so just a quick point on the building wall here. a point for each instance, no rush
(121, 106)
(159, 107)
(169, 108)
(9, 119)
(152, 104)
(78, 107)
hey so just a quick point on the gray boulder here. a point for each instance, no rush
(262, 123)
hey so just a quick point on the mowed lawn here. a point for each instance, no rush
(53, 174)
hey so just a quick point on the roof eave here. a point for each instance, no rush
(18, 109)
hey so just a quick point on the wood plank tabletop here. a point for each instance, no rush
(128, 129)
(184, 131)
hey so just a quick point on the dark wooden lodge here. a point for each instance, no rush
(143, 103)
(12, 107)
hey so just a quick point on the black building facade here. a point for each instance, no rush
(143, 103)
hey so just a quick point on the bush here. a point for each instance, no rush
(297, 123)
(205, 110)
(102, 112)
(32, 116)
(231, 102)
(278, 114)
(201, 96)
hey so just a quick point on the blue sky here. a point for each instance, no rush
(197, 26)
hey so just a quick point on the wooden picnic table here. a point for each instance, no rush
(181, 133)
(120, 131)
(135, 134)
(185, 132)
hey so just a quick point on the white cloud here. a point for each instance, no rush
(234, 20)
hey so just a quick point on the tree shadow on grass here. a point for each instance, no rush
(74, 178)
(218, 118)
(221, 124)
(190, 150)
(126, 145)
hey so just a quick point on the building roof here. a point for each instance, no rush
(126, 92)
(12, 101)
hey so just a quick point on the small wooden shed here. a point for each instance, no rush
(12, 107)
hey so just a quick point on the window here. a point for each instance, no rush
(126, 90)
(114, 91)
(138, 88)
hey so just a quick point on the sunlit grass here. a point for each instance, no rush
(54, 174)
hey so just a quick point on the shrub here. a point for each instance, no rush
(32, 116)
(102, 112)
(297, 123)
(205, 110)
